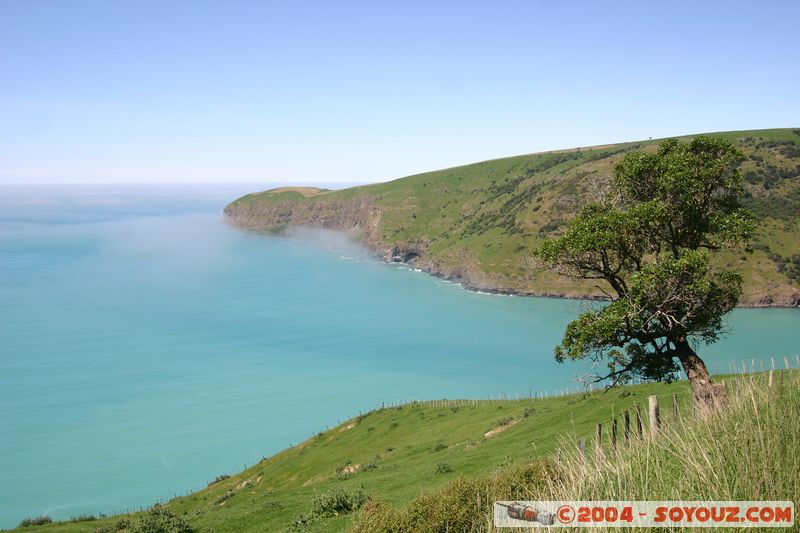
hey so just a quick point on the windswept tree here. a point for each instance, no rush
(648, 246)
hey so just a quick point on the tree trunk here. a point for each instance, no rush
(708, 396)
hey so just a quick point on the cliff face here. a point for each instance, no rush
(357, 214)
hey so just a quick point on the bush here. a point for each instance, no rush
(439, 446)
(221, 477)
(161, 519)
(35, 521)
(443, 468)
(84, 518)
(338, 501)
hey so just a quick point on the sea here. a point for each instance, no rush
(146, 346)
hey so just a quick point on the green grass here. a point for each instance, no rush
(409, 459)
(479, 222)
(748, 451)
(404, 448)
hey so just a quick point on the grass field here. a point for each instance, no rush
(748, 451)
(479, 222)
(395, 454)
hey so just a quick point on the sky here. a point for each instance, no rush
(302, 92)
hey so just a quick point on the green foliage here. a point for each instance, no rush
(505, 421)
(83, 518)
(221, 477)
(338, 501)
(158, 519)
(35, 521)
(443, 468)
(161, 519)
(650, 246)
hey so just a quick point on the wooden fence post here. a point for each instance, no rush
(675, 406)
(627, 417)
(639, 420)
(582, 450)
(655, 417)
(598, 442)
(558, 457)
(614, 433)
(771, 378)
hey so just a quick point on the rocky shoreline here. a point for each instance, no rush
(763, 303)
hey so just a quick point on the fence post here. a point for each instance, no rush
(582, 450)
(655, 417)
(558, 457)
(598, 442)
(627, 418)
(771, 378)
(639, 420)
(675, 406)
(614, 433)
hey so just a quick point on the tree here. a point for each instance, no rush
(649, 244)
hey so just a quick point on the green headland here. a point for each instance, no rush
(478, 223)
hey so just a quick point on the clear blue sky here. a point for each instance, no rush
(302, 92)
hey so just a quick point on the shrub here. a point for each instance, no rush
(161, 519)
(123, 524)
(505, 421)
(443, 468)
(35, 521)
(439, 446)
(221, 477)
(83, 518)
(338, 501)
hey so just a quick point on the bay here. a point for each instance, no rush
(146, 346)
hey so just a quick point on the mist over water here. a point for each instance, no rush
(146, 346)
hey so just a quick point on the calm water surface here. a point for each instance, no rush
(146, 347)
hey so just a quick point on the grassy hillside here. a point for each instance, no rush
(479, 222)
(418, 467)
(395, 453)
(748, 451)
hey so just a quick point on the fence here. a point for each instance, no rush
(633, 421)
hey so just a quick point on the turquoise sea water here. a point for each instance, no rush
(146, 347)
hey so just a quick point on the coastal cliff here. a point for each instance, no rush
(477, 224)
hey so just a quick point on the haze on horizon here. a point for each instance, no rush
(315, 93)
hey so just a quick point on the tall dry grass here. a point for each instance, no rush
(750, 450)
